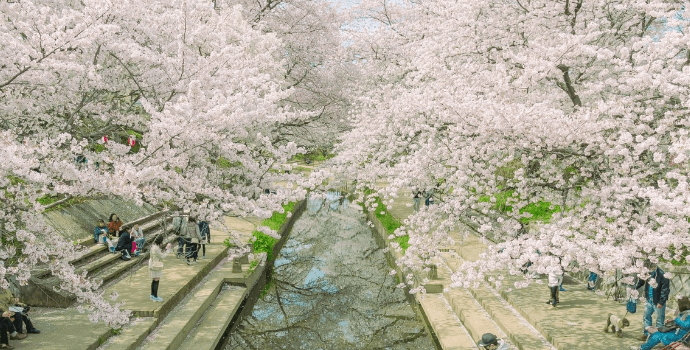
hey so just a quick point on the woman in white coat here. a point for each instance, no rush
(156, 268)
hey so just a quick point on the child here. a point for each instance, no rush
(100, 230)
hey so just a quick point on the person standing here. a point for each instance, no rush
(681, 320)
(205, 232)
(156, 269)
(656, 293)
(555, 281)
(416, 199)
(192, 237)
(114, 225)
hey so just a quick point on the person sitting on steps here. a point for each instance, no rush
(114, 225)
(100, 232)
(124, 245)
(9, 303)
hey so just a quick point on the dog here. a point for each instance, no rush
(616, 324)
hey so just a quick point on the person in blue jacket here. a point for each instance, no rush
(682, 320)
(100, 232)
(656, 299)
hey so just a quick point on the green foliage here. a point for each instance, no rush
(541, 211)
(227, 243)
(135, 134)
(267, 287)
(98, 148)
(252, 267)
(15, 180)
(390, 224)
(264, 242)
(224, 163)
(316, 156)
(48, 199)
(683, 256)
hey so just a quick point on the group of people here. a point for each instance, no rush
(129, 241)
(656, 293)
(14, 318)
(192, 238)
(417, 196)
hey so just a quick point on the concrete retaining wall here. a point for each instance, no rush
(381, 237)
(77, 221)
(257, 280)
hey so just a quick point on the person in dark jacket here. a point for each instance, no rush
(124, 245)
(682, 320)
(205, 232)
(656, 296)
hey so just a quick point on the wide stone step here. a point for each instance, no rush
(118, 267)
(131, 335)
(151, 224)
(207, 334)
(445, 324)
(513, 325)
(578, 319)
(176, 328)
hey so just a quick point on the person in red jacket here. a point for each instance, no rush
(114, 225)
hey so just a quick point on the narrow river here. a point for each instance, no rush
(331, 290)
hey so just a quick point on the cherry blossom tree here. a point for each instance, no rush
(578, 108)
(176, 104)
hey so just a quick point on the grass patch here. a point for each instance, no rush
(264, 243)
(390, 223)
(313, 156)
(541, 211)
(48, 199)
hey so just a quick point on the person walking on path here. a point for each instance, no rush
(156, 269)
(656, 291)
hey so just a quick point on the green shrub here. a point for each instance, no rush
(264, 243)
(47, 199)
(390, 224)
(541, 211)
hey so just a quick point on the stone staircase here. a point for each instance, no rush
(458, 317)
(198, 299)
(101, 264)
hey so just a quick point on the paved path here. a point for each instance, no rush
(577, 323)
(70, 329)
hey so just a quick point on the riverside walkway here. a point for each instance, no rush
(202, 283)
(460, 316)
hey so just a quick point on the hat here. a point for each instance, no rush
(488, 339)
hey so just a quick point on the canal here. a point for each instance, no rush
(331, 289)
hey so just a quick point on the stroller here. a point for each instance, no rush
(682, 344)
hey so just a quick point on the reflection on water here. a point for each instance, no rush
(331, 290)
